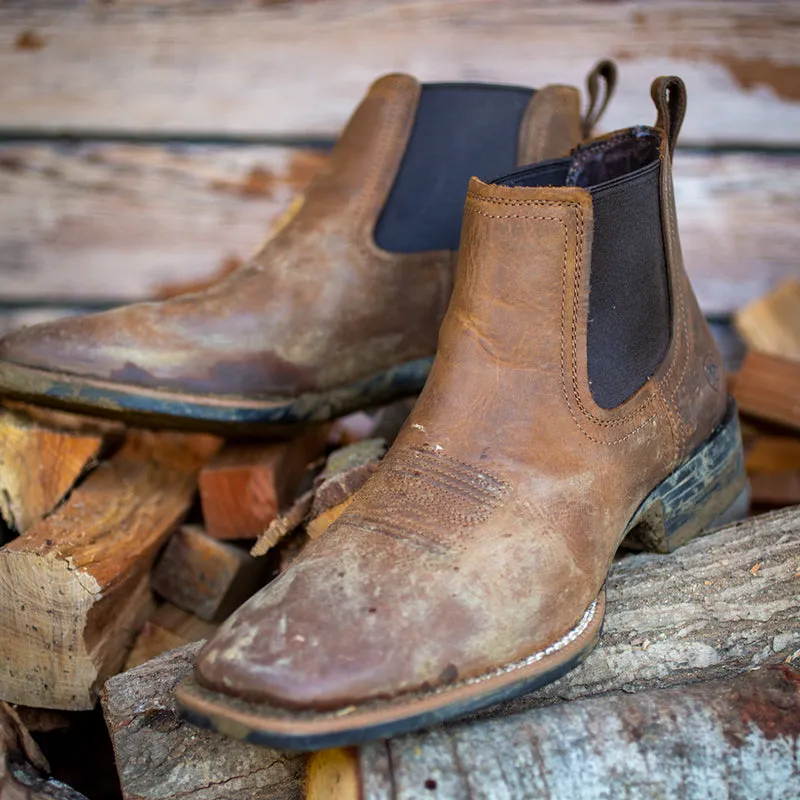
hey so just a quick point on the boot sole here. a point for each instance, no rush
(705, 492)
(208, 412)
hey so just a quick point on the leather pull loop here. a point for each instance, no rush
(600, 85)
(669, 96)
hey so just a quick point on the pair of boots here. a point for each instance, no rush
(576, 400)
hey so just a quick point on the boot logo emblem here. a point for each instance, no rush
(711, 370)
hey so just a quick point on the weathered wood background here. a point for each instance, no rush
(143, 143)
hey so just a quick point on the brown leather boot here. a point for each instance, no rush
(577, 400)
(338, 311)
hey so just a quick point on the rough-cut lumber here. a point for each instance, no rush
(207, 577)
(39, 464)
(772, 323)
(168, 628)
(734, 738)
(159, 213)
(775, 489)
(75, 588)
(768, 387)
(23, 767)
(346, 470)
(295, 73)
(334, 775)
(165, 214)
(245, 486)
(159, 756)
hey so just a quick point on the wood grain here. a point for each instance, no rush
(39, 464)
(772, 323)
(117, 222)
(74, 590)
(768, 387)
(248, 68)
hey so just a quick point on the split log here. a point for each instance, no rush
(772, 323)
(169, 628)
(39, 464)
(23, 768)
(346, 471)
(74, 590)
(768, 387)
(245, 486)
(160, 756)
(207, 577)
(730, 738)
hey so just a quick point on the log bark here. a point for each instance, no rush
(74, 590)
(740, 60)
(207, 577)
(159, 756)
(168, 628)
(245, 486)
(768, 387)
(39, 464)
(23, 768)
(735, 738)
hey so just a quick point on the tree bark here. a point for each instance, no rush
(159, 756)
(735, 738)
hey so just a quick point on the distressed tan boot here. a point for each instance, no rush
(341, 309)
(577, 400)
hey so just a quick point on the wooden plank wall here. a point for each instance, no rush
(143, 143)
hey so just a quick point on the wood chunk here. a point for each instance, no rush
(243, 489)
(772, 323)
(23, 767)
(170, 627)
(160, 756)
(768, 387)
(771, 454)
(775, 489)
(654, 744)
(74, 590)
(38, 466)
(207, 577)
(334, 775)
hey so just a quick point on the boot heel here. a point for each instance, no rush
(707, 491)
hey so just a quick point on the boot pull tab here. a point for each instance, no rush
(604, 71)
(669, 95)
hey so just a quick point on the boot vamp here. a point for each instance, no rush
(302, 320)
(438, 571)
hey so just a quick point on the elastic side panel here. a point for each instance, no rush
(545, 173)
(629, 304)
(460, 130)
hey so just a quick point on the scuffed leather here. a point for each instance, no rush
(320, 306)
(491, 524)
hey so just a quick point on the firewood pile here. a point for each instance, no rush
(122, 549)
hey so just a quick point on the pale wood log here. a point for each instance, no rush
(771, 324)
(160, 214)
(75, 588)
(270, 69)
(160, 756)
(734, 738)
(120, 221)
(245, 486)
(23, 767)
(39, 464)
(168, 628)
(207, 577)
(768, 387)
